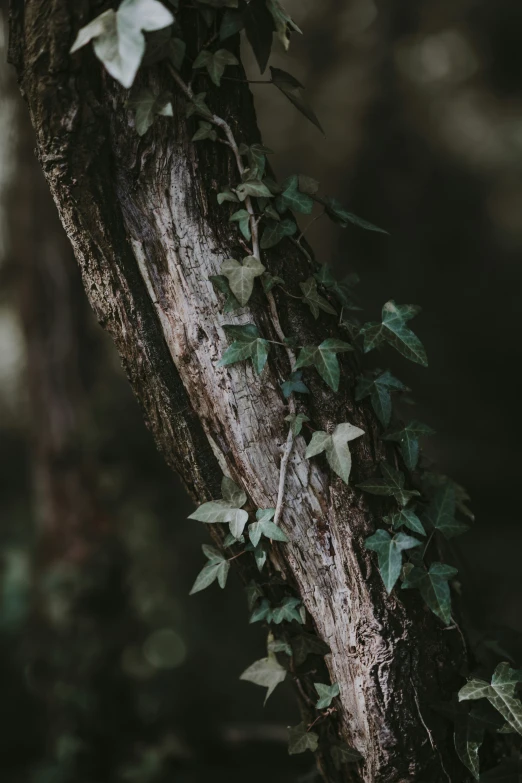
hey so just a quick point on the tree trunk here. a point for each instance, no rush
(142, 217)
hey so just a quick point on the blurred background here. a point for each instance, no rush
(108, 670)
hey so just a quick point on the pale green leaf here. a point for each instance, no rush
(389, 554)
(326, 693)
(267, 673)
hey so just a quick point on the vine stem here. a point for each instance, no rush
(256, 252)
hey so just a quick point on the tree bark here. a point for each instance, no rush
(142, 217)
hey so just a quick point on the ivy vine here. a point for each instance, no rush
(265, 213)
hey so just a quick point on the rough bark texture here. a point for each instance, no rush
(147, 232)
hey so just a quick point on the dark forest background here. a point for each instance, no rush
(109, 671)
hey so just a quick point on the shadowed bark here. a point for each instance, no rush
(147, 232)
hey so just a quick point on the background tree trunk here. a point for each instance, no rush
(147, 232)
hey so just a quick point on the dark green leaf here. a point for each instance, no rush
(313, 298)
(440, 513)
(393, 330)
(433, 586)
(294, 384)
(275, 232)
(389, 553)
(408, 438)
(323, 358)
(292, 89)
(301, 740)
(339, 215)
(306, 644)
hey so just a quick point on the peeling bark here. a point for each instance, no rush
(147, 233)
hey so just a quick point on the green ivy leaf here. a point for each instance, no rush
(300, 739)
(241, 276)
(248, 344)
(253, 592)
(342, 217)
(292, 89)
(405, 517)
(220, 283)
(261, 612)
(267, 673)
(393, 330)
(287, 611)
(392, 484)
(305, 644)
(278, 645)
(379, 390)
(254, 188)
(296, 422)
(259, 28)
(292, 198)
(215, 63)
(227, 195)
(243, 218)
(323, 358)
(433, 586)
(336, 448)
(294, 384)
(263, 526)
(469, 736)
(217, 568)
(225, 511)
(198, 106)
(231, 23)
(269, 281)
(313, 298)
(147, 106)
(282, 22)
(275, 232)
(326, 693)
(389, 554)
(440, 513)
(500, 693)
(256, 154)
(205, 131)
(118, 39)
(343, 754)
(408, 438)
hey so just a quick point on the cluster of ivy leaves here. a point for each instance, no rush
(421, 506)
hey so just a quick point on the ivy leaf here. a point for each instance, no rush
(282, 22)
(253, 592)
(217, 568)
(336, 448)
(305, 644)
(500, 693)
(469, 736)
(205, 131)
(260, 555)
(292, 89)
(342, 217)
(379, 390)
(225, 511)
(147, 105)
(261, 612)
(278, 645)
(300, 739)
(393, 330)
(254, 188)
(220, 283)
(118, 39)
(276, 231)
(313, 298)
(433, 586)
(270, 281)
(287, 611)
(323, 358)
(392, 484)
(241, 276)
(406, 517)
(215, 63)
(263, 526)
(408, 438)
(197, 105)
(267, 673)
(248, 344)
(243, 218)
(259, 28)
(292, 198)
(296, 422)
(294, 384)
(440, 513)
(231, 23)
(343, 754)
(326, 694)
(256, 154)
(389, 554)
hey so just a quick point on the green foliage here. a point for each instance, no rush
(301, 739)
(405, 517)
(336, 448)
(324, 358)
(197, 105)
(276, 231)
(326, 693)
(389, 554)
(342, 217)
(440, 513)
(394, 331)
(147, 106)
(294, 384)
(217, 568)
(500, 693)
(263, 526)
(220, 283)
(391, 485)
(305, 644)
(288, 610)
(241, 276)
(267, 673)
(293, 90)
(379, 389)
(433, 586)
(408, 438)
(118, 38)
(215, 63)
(313, 298)
(293, 198)
(469, 736)
(248, 344)
(296, 422)
(225, 511)
(205, 131)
